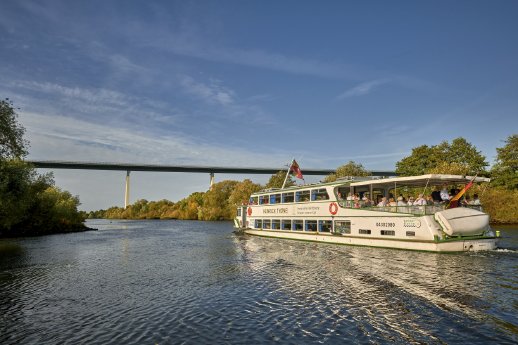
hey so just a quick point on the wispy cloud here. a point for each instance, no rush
(63, 138)
(100, 104)
(214, 92)
(363, 88)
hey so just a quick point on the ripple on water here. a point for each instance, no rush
(195, 282)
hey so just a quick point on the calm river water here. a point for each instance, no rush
(181, 282)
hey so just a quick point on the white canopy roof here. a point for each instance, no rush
(430, 179)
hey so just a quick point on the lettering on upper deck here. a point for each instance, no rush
(280, 210)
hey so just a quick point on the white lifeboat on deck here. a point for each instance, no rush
(462, 221)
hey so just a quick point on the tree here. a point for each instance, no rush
(505, 172)
(241, 193)
(449, 168)
(277, 179)
(29, 202)
(422, 159)
(464, 153)
(18, 187)
(459, 156)
(215, 203)
(12, 144)
(349, 169)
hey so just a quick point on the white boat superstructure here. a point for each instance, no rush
(347, 212)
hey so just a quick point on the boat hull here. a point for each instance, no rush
(450, 245)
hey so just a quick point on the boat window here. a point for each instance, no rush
(343, 226)
(258, 223)
(319, 194)
(364, 232)
(239, 212)
(275, 199)
(388, 232)
(254, 200)
(302, 196)
(311, 225)
(288, 197)
(263, 199)
(410, 233)
(286, 224)
(325, 225)
(276, 224)
(298, 225)
(266, 224)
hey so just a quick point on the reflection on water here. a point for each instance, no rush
(135, 282)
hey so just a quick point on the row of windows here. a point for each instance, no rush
(295, 225)
(341, 226)
(299, 196)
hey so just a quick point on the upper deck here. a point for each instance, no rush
(366, 193)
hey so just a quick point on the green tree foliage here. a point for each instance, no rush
(459, 156)
(216, 202)
(241, 193)
(501, 204)
(12, 144)
(422, 159)
(349, 169)
(277, 179)
(29, 203)
(17, 189)
(505, 172)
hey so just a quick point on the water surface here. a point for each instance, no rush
(182, 282)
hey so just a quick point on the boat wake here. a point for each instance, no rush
(506, 250)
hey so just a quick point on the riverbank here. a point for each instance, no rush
(42, 231)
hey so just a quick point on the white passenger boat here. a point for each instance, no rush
(317, 212)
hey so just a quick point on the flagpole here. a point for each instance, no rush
(288, 173)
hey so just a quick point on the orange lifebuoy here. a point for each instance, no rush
(333, 208)
(249, 211)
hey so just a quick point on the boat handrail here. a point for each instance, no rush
(412, 209)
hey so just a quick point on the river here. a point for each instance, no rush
(189, 282)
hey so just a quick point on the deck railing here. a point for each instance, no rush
(413, 209)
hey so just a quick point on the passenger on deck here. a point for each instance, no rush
(429, 200)
(411, 201)
(365, 202)
(476, 200)
(420, 201)
(383, 202)
(392, 202)
(436, 195)
(444, 194)
(401, 201)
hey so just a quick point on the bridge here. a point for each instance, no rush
(211, 170)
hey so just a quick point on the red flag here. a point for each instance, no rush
(295, 170)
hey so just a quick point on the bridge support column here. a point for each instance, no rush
(211, 180)
(126, 194)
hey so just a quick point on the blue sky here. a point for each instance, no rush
(253, 83)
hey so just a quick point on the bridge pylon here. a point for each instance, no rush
(126, 194)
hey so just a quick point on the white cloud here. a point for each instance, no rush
(104, 105)
(363, 88)
(210, 93)
(62, 138)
